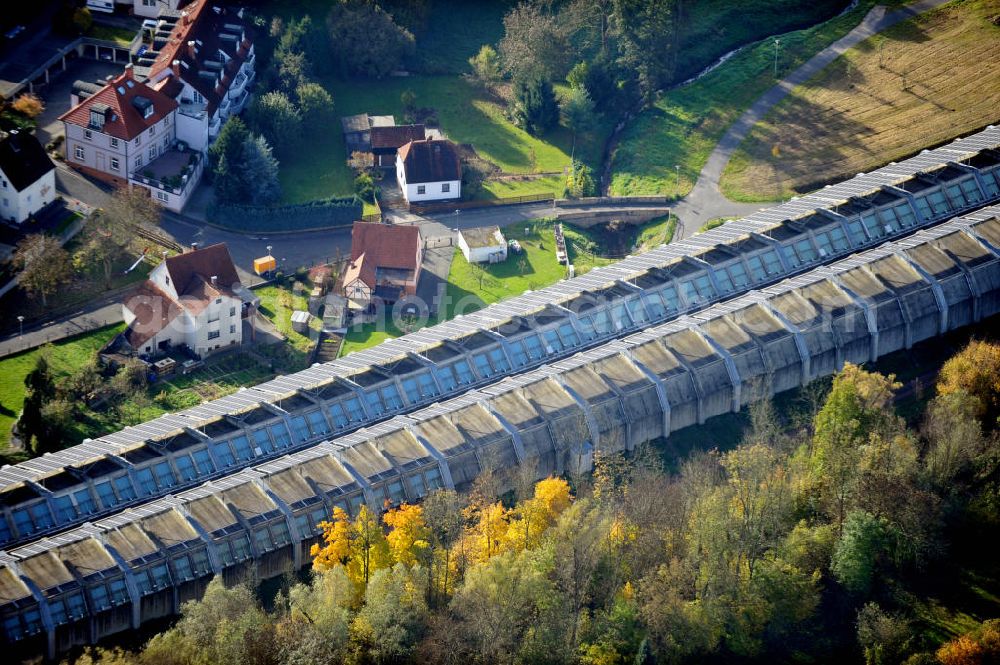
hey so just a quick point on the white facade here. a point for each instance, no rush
(202, 327)
(426, 191)
(495, 252)
(17, 206)
(90, 148)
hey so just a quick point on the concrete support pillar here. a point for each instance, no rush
(515, 436)
(213, 556)
(43, 607)
(293, 528)
(942, 302)
(595, 432)
(661, 393)
(727, 359)
(800, 342)
(438, 457)
(870, 318)
(130, 583)
(366, 489)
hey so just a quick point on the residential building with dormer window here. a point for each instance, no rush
(203, 58)
(126, 134)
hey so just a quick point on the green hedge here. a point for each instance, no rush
(299, 217)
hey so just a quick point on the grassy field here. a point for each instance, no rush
(523, 186)
(683, 126)
(65, 357)
(916, 85)
(466, 113)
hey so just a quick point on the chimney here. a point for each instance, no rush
(194, 247)
(176, 66)
(129, 72)
(192, 49)
(215, 280)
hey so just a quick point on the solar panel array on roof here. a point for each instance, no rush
(261, 520)
(216, 439)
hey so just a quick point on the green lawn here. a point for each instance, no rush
(65, 357)
(506, 188)
(471, 288)
(277, 302)
(120, 36)
(683, 126)
(466, 113)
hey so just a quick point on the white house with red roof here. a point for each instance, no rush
(193, 299)
(385, 263)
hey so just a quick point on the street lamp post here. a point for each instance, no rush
(777, 42)
(20, 323)
(677, 184)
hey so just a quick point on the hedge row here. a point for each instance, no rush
(299, 217)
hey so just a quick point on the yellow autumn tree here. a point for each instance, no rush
(532, 517)
(369, 548)
(975, 370)
(336, 549)
(487, 536)
(360, 545)
(409, 535)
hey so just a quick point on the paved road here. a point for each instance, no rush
(705, 201)
(96, 315)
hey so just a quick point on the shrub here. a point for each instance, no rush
(29, 105)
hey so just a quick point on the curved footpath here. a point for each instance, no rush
(705, 202)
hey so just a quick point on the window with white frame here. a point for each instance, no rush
(162, 196)
(421, 189)
(446, 187)
(136, 141)
(152, 152)
(79, 153)
(138, 161)
(114, 142)
(87, 134)
(166, 142)
(115, 166)
(232, 330)
(213, 334)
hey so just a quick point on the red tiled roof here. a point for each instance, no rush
(206, 262)
(153, 309)
(395, 137)
(430, 161)
(381, 246)
(202, 22)
(123, 119)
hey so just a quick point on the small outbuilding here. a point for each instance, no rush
(300, 321)
(485, 244)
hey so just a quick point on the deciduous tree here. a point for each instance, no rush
(486, 65)
(369, 43)
(43, 265)
(975, 370)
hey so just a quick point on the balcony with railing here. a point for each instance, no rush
(173, 171)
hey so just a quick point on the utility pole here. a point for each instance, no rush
(777, 42)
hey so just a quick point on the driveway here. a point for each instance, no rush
(434, 276)
(56, 94)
